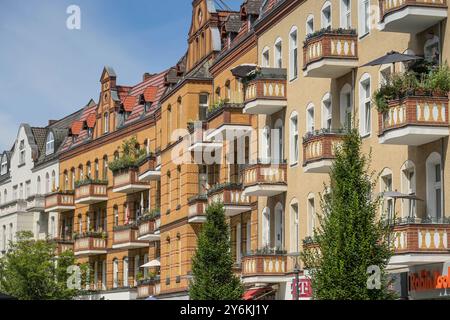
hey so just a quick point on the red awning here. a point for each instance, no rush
(253, 294)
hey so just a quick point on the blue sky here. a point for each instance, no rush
(48, 71)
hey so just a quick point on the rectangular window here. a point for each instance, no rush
(238, 243)
(346, 14)
(22, 152)
(249, 238)
(326, 17)
(310, 120)
(203, 106)
(366, 107)
(364, 15)
(294, 140)
(266, 58)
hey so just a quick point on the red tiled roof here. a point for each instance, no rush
(91, 120)
(150, 93)
(76, 127)
(128, 103)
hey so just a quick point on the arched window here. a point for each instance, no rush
(294, 224)
(266, 145)
(278, 53)
(311, 205)
(365, 105)
(327, 112)
(66, 180)
(105, 168)
(293, 53)
(408, 186)
(228, 90)
(265, 227)
(346, 107)
(434, 187)
(310, 24)
(115, 273)
(80, 172)
(50, 144)
(53, 181)
(326, 15)
(4, 165)
(73, 179)
(294, 142)
(279, 138)
(310, 118)
(47, 183)
(106, 122)
(96, 170)
(265, 57)
(125, 272)
(116, 216)
(88, 170)
(38, 185)
(386, 186)
(279, 227)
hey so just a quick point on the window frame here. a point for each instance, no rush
(293, 54)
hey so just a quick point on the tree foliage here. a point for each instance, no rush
(350, 237)
(213, 263)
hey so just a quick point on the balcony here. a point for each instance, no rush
(36, 203)
(226, 121)
(126, 237)
(411, 16)
(421, 241)
(127, 181)
(330, 53)
(232, 197)
(63, 246)
(90, 244)
(265, 180)
(266, 93)
(414, 121)
(148, 287)
(264, 268)
(60, 202)
(150, 168)
(91, 192)
(198, 131)
(149, 228)
(319, 150)
(197, 209)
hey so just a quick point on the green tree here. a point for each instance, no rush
(351, 237)
(31, 270)
(212, 266)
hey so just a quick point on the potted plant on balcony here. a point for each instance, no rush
(131, 156)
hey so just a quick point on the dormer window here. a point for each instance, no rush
(147, 106)
(4, 165)
(22, 152)
(50, 144)
(89, 132)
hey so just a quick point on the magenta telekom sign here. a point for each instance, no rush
(305, 290)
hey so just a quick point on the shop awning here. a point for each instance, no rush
(255, 294)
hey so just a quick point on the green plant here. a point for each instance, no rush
(439, 80)
(85, 182)
(218, 104)
(131, 156)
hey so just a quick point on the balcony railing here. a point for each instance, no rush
(127, 237)
(90, 192)
(197, 209)
(266, 92)
(60, 202)
(227, 117)
(411, 16)
(265, 180)
(260, 265)
(36, 203)
(90, 245)
(414, 121)
(149, 168)
(149, 229)
(330, 53)
(232, 196)
(63, 246)
(127, 181)
(148, 287)
(319, 150)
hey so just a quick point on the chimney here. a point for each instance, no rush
(50, 122)
(147, 76)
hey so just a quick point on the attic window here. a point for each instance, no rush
(50, 144)
(22, 152)
(4, 165)
(147, 106)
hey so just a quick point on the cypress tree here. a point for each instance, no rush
(212, 265)
(351, 237)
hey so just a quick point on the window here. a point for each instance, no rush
(326, 15)
(53, 181)
(434, 187)
(386, 186)
(266, 227)
(73, 179)
(409, 187)
(346, 107)
(96, 170)
(116, 216)
(279, 228)
(266, 58)
(310, 118)
(80, 224)
(145, 269)
(136, 269)
(364, 17)
(4, 241)
(27, 189)
(295, 237)
(346, 14)
(105, 168)
(293, 54)
(88, 170)
(238, 243)
(311, 216)
(21, 191)
(365, 107)
(279, 141)
(310, 24)
(228, 90)
(432, 50)
(4, 165)
(203, 106)
(294, 147)
(106, 122)
(22, 152)
(115, 273)
(248, 245)
(80, 173)
(327, 115)
(265, 145)
(385, 74)
(278, 54)
(50, 144)
(125, 272)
